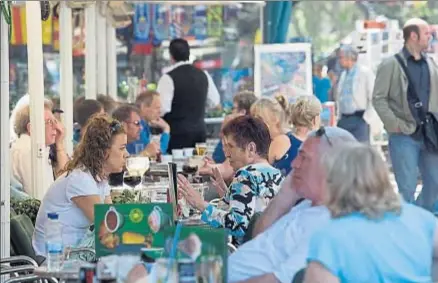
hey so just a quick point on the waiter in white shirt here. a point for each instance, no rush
(186, 92)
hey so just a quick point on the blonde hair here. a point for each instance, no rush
(304, 111)
(358, 181)
(269, 109)
(22, 118)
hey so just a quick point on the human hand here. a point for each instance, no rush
(219, 183)
(192, 197)
(152, 149)
(60, 133)
(161, 123)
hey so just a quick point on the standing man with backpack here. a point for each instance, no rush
(406, 98)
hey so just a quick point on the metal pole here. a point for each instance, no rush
(111, 42)
(102, 54)
(66, 73)
(4, 158)
(90, 52)
(36, 92)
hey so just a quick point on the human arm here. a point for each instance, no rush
(166, 88)
(278, 206)
(242, 202)
(213, 96)
(265, 278)
(86, 204)
(317, 273)
(84, 192)
(61, 154)
(380, 100)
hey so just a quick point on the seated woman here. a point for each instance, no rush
(256, 182)
(101, 151)
(374, 236)
(303, 115)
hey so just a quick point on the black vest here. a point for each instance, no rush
(189, 100)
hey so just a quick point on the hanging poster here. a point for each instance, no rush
(284, 69)
(214, 21)
(200, 22)
(176, 22)
(142, 23)
(161, 22)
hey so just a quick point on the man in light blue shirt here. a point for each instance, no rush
(284, 230)
(150, 105)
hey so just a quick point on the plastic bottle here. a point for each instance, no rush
(54, 246)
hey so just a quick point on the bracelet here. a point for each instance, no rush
(60, 149)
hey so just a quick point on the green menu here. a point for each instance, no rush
(127, 228)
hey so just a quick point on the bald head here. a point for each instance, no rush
(416, 34)
(332, 137)
(415, 22)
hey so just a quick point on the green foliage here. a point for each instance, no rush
(127, 196)
(28, 207)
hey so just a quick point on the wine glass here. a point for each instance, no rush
(135, 169)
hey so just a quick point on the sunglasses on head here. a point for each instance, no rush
(321, 132)
(115, 126)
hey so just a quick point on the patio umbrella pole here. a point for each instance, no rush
(5, 168)
(66, 73)
(36, 93)
(90, 52)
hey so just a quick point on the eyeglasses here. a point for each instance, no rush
(115, 126)
(321, 132)
(136, 122)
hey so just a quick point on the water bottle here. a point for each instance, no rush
(54, 247)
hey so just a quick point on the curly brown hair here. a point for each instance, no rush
(97, 138)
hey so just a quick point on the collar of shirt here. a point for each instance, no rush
(176, 65)
(409, 56)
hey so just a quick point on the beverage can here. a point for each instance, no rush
(187, 271)
(87, 274)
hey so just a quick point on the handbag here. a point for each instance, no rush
(426, 120)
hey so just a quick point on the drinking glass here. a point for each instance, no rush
(210, 269)
(139, 149)
(201, 148)
(135, 169)
(166, 270)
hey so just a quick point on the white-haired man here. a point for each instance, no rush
(399, 115)
(279, 250)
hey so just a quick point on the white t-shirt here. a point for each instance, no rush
(21, 164)
(58, 199)
(281, 249)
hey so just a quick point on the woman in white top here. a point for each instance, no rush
(102, 151)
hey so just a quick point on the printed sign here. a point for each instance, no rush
(127, 228)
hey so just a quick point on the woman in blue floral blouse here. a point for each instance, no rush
(246, 143)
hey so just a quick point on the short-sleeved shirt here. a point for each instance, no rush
(391, 249)
(58, 199)
(145, 139)
(252, 188)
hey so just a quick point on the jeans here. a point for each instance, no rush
(409, 156)
(357, 126)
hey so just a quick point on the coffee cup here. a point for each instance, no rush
(113, 220)
(188, 151)
(177, 154)
(157, 219)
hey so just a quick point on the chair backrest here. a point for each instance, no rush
(249, 233)
(21, 235)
